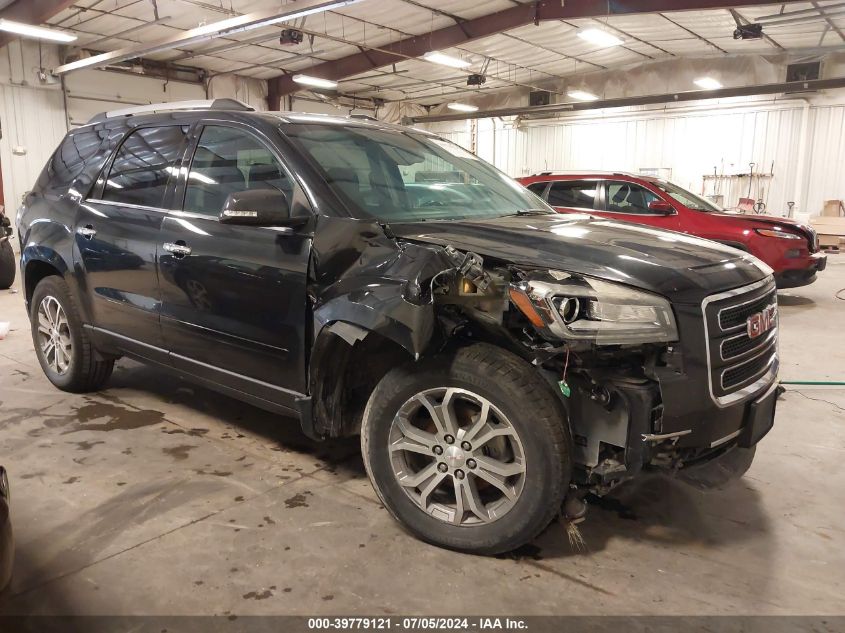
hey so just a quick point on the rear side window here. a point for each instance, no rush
(143, 166)
(581, 195)
(78, 150)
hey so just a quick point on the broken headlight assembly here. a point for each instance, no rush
(574, 307)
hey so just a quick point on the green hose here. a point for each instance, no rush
(831, 383)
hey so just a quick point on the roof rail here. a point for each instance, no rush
(590, 172)
(199, 104)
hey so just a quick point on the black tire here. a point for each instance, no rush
(7, 265)
(86, 371)
(536, 415)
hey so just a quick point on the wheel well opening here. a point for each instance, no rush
(35, 272)
(343, 375)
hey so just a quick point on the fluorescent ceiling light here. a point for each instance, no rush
(582, 95)
(229, 26)
(462, 107)
(317, 82)
(599, 37)
(445, 60)
(38, 32)
(707, 83)
(241, 23)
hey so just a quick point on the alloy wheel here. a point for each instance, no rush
(457, 456)
(54, 335)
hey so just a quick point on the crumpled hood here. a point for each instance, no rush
(682, 268)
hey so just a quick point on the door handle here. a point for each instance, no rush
(179, 250)
(87, 231)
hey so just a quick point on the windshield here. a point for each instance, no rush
(407, 176)
(687, 198)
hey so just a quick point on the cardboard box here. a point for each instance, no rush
(833, 208)
(825, 225)
(831, 230)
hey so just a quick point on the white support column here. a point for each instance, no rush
(801, 175)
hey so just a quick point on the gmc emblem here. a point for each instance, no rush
(762, 321)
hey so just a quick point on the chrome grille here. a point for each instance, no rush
(740, 345)
(734, 317)
(738, 364)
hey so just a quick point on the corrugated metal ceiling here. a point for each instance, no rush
(520, 57)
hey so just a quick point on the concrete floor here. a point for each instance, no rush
(159, 497)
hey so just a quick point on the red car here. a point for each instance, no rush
(789, 247)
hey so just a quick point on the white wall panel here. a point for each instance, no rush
(826, 163)
(90, 92)
(32, 119)
(691, 141)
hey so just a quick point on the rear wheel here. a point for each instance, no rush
(7, 265)
(63, 348)
(468, 451)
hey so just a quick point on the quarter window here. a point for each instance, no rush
(143, 166)
(229, 160)
(580, 195)
(628, 197)
(538, 188)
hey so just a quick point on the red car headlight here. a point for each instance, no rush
(778, 233)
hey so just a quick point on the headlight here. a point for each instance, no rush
(581, 308)
(778, 233)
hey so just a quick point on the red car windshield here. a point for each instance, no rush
(687, 198)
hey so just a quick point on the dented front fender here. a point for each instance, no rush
(362, 276)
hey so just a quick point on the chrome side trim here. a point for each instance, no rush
(255, 381)
(727, 438)
(294, 394)
(113, 203)
(736, 433)
(124, 338)
(763, 381)
(178, 213)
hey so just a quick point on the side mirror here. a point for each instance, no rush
(258, 207)
(659, 206)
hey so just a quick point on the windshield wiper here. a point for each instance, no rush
(531, 212)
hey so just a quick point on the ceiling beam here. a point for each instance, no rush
(31, 12)
(671, 97)
(484, 26)
(824, 11)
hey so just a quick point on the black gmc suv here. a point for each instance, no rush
(498, 359)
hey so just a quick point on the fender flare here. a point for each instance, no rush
(383, 310)
(44, 243)
(406, 326)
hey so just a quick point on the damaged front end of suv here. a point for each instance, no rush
(500, 361)
(644, 383)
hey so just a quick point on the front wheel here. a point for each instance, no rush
(468, 451)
